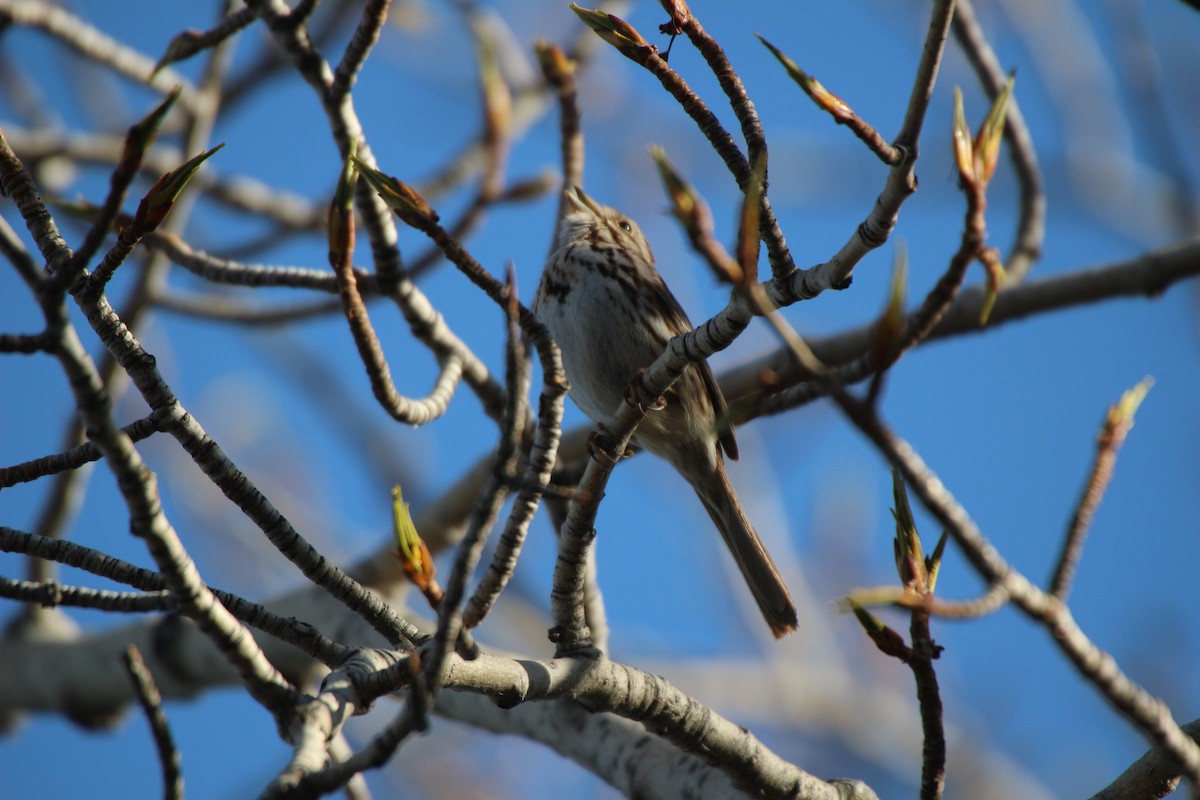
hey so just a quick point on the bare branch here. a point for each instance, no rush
(147, 693)
(52, 595)
(292, 631)
(1154, 775)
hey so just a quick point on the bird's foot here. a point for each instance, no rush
(638, 396)
(602, 447)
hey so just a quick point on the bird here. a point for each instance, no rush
(603, 301)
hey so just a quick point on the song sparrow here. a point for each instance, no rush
(612, 315)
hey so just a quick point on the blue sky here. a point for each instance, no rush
(1007, 417)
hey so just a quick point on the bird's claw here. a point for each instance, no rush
(638, 396)
(600, 446)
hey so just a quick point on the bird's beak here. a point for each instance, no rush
(578, 200)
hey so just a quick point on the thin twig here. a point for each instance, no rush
(239, 193)
(559, 73)
(370, 25)
(926, 76)
(223, 308)
(756, 142)
(1112, 435)
(995, 598)
(220, 270)
(929, 700)
(137, 142)
(25, 343)
(727, 149)
(13, 249)
(169, 757)
(51, 594)
(517, 376)
(189, 43)
(341, 252)
(287, 629)
(839, 109)
(901, 181)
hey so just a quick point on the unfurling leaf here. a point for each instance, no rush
(1122, 413)
(341, 209)
(910, 558)
(497, 98)
(142, 134)
(987, 141)
(532, 187)
(827, 100)
(159, 201)
(693, 213)
(1120, 416)
(995, 279)
(686, 204)
(398, 195)
(182, 46)
(933, 562)
(415, 558)
(747, 236)
(887, 640)
(683, 197)
(964, 147)
(891, 322)
(614, 30)
(976, 157)
(553, 61)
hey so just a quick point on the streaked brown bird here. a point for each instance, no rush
(612, 315)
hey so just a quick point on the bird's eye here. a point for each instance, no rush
(625, 225)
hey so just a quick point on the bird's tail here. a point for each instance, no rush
(759, 571)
